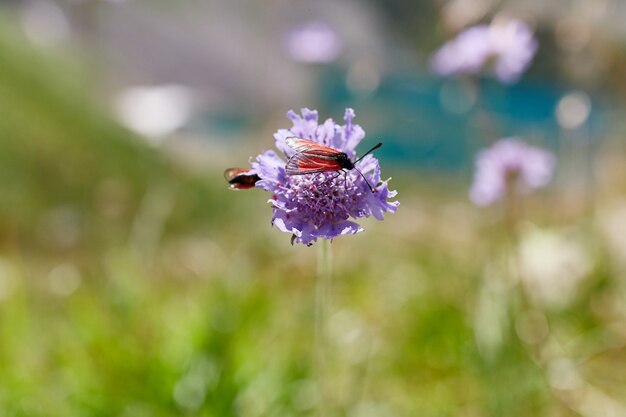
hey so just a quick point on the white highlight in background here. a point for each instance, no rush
(155, 111)
(573, 110)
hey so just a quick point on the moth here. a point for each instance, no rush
(313, 158)
(240, 178)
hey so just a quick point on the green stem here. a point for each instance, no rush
(322, 305)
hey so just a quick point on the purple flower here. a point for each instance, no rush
(509, 45)
(322, 205)
(314, 42)
(510, 165)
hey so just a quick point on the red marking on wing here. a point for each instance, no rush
(311, 157)
(302, 163)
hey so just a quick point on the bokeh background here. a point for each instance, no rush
(134, 283)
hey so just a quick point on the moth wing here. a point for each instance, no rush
(241, 186)
(305, 163)
(240, 179)
(309, 147)
(231, 173)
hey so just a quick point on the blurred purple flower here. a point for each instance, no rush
(509, 45)
(314, 42)
(320, 205)
(510, 165)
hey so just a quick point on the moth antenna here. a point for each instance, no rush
(366, 181)
(368, 152)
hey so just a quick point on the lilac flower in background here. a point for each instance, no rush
(314, 42)
(465, 54)
(509, 46)
(510, 165)
(322, 205)
(515, 47)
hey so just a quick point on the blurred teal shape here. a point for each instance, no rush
(437, 124)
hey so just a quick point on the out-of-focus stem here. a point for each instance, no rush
(322, 306)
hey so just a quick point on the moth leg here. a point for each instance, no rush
(338, 173)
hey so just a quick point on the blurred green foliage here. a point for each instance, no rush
(130, 287)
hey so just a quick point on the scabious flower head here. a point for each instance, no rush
(322, 205)
(510, 165)
(509, 45)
